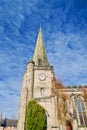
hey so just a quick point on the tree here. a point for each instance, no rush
(35, 116)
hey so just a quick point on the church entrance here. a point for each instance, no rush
(68, 126)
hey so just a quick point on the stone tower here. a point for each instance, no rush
(37, 84)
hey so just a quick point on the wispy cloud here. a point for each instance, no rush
(64, 26)
(69, 50)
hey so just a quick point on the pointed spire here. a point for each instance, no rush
(40, 57)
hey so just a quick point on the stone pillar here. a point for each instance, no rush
(85, 106)
(77, 113)
(75, 125)
(30, 71)
(62, 127)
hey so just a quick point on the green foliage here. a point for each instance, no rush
(35, 117)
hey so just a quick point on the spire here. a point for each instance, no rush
(40, 57)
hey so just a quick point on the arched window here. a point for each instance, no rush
(81, 107)
(39, 62)
(81, 111)
(42, 92)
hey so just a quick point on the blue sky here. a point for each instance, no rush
(64, 24)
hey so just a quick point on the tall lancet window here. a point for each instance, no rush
(42, 92)
(81, 111)
(39, 62)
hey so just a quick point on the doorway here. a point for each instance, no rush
(68, 125)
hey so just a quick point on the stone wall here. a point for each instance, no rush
(84, 128)
(8, 128)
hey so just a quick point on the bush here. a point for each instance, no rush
(35, 116)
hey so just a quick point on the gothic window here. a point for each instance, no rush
(81, 107)
(39, 62)
(42, 92)
(81, 111)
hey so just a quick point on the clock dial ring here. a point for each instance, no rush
(42, 77)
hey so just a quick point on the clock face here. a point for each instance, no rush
(42, 77)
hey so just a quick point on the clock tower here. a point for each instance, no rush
(37, 84)
(43, 72)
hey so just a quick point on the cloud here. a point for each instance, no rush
(64, 29)
(69, 50)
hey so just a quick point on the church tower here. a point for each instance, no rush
(37, 84)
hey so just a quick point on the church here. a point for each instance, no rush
(66, 107)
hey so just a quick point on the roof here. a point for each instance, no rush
(40, 51)
(8, 122)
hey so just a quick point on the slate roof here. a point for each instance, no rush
(8, 122)
(40, 51)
